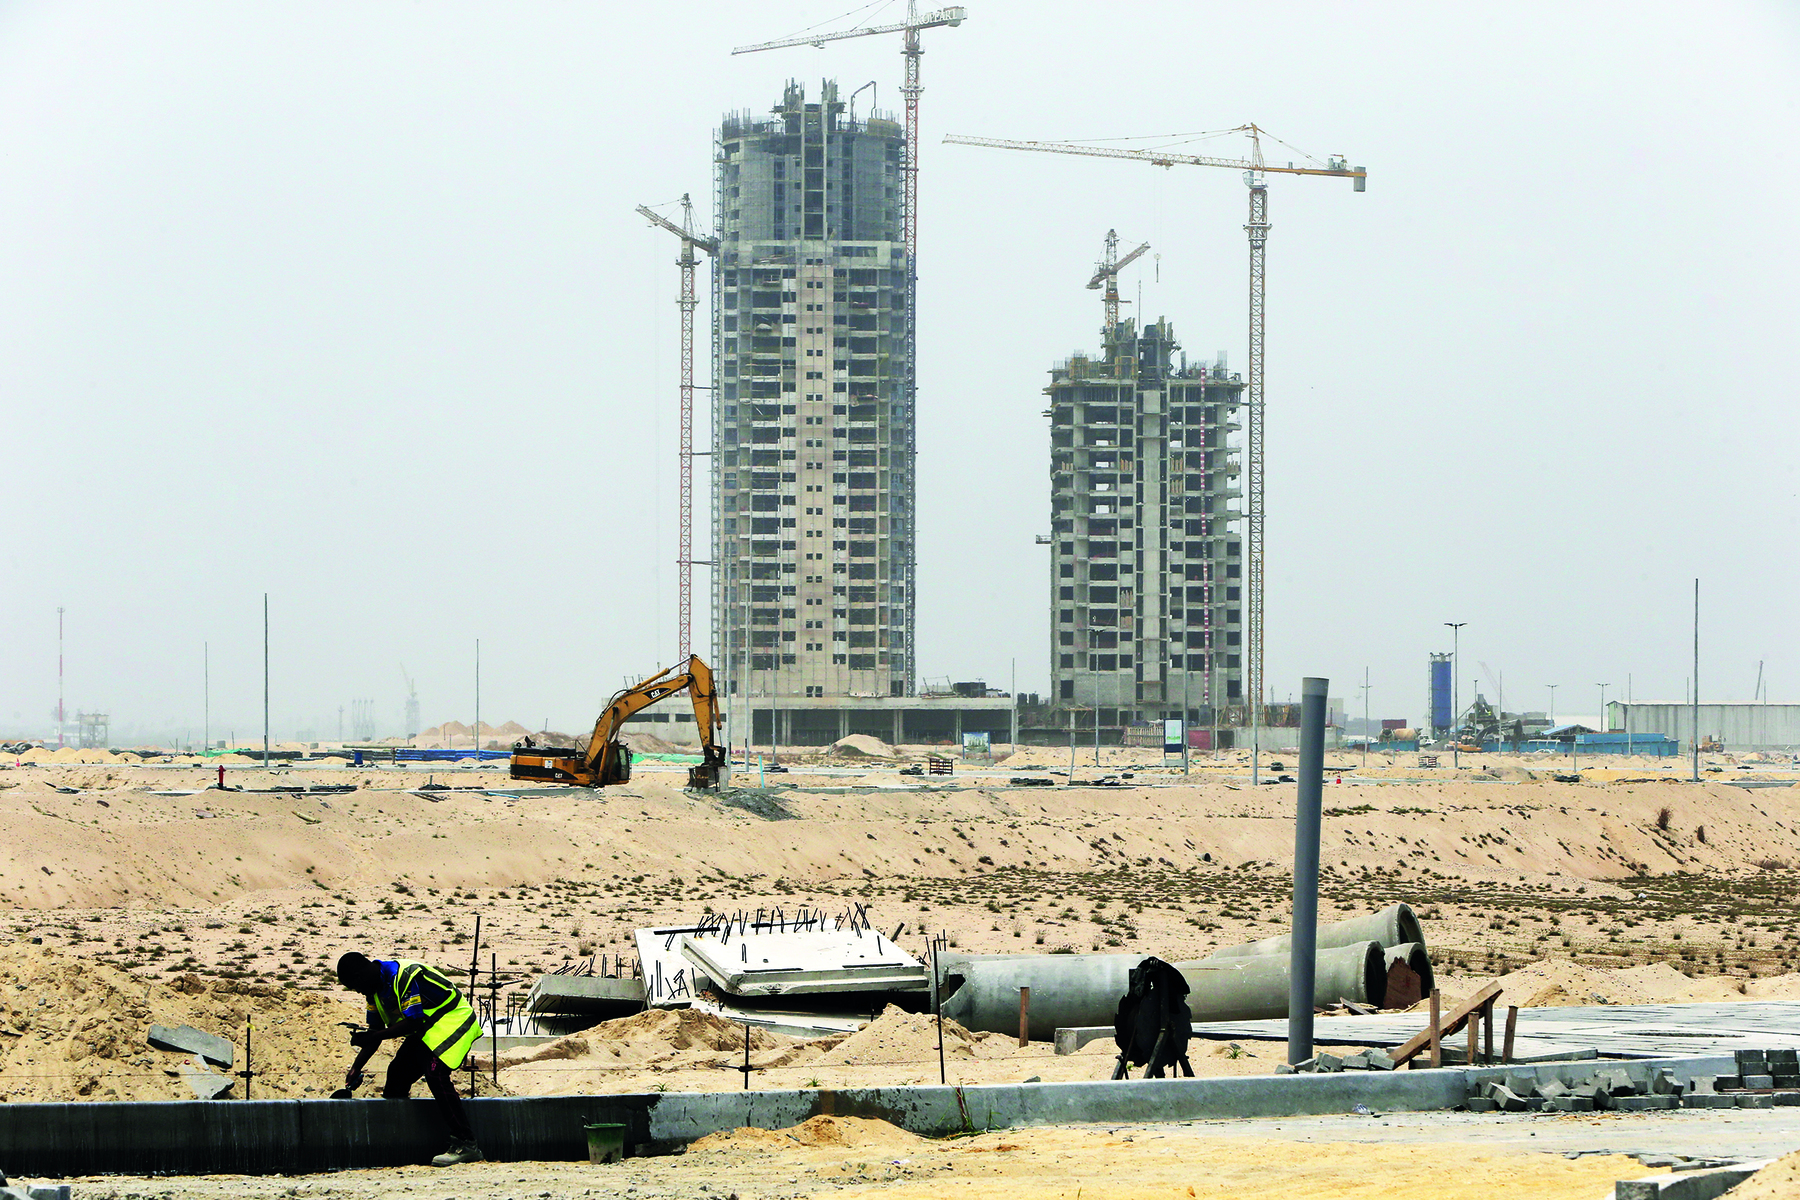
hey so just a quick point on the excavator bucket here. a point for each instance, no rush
(711, 774)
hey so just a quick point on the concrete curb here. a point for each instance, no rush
(1694, 1185)
(260, 1137)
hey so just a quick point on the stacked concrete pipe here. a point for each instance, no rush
(981, 991)
(1238, 983)
(1254, 987)
(1395, 925)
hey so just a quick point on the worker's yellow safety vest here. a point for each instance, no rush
(450, 1028)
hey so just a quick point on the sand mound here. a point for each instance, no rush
(853, 1133)
(657, 1031)
(79, 1027)
(649, 743)
(898, 1036)
(861, 745)
(1780, 1180)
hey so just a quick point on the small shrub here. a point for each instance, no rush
(1700, 834)
(1663, 816)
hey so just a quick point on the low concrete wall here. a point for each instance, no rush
(263, 1137)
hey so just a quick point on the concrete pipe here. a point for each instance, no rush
(1255, 987)
(1394, 925)
(1414, 956)
(981, 991)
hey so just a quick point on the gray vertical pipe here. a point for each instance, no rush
(1302, 955)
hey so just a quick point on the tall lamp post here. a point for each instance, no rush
(1553, 687)
(1455, 708)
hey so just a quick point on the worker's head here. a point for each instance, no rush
(357, 973)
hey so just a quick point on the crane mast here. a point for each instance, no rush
(1255, 169)
(1107, 272)
(911, 51)
(684, 563)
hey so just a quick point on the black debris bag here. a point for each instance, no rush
(1154, 1022)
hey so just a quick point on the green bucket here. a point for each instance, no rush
(606, 1143)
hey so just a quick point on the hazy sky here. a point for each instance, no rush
(346, 302)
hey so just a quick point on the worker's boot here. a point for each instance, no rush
(459, 1152)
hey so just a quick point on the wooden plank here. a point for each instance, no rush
(1474, 1045)
(1404, 987)
(1487, 1026)
(1436, 1032)
(1449, 1024)
(1512, 1024)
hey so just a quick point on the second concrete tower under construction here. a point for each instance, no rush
(813, 433)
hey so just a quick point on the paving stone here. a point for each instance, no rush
(185, 1039)
(1728, 1081)
(1328, 1062)
(1619, 1083)
(1760, 1082)
(1284, 1068)
(1551, 1089)
(1307, 1064)
(1482, 1104)
(1379, 1061)
(1639, 1103)
(207, 1085)
(1709, 1102)
(1786, 1099)
(1786, 1081)
(1355, 1062)
(1780, 1058)
(1665, 1084)
(1701, 1085)
(1573, 1104)
(1750, 1062)
(1756, 1102)
(1507, 1099)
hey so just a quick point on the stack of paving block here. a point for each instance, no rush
(1362, 1060)
(1603, 1089)
(1764, 1079)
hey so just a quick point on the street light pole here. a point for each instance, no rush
(1455, 682)
(1365, 754)
(1553, 687)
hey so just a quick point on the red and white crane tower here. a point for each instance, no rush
(1254, 169)
(690, 241)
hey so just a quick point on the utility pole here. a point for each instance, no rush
(1696, 692)
(478, 702)
(206, 695)
(265, 681)
(1553, 687)
(59, 677)
(1455, 694)
(1365, 754)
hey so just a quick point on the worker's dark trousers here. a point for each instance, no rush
(413, 1062)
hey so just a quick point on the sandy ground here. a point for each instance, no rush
(839, 1155)
(1637, 889)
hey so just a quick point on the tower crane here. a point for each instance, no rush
(684, 570)
(1254, 169)
(1106, 271)
(910, 50)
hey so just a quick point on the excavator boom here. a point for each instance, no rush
(607, 760)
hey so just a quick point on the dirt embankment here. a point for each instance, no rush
(75, 1030)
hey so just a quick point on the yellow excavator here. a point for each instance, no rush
(606, 760)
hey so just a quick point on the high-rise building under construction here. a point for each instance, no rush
(813, 425)
(1146, 566)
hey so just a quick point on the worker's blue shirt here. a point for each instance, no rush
(410, 1005)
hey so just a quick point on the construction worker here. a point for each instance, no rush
(412, 1001)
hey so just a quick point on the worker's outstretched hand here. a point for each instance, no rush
(353, 1079)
